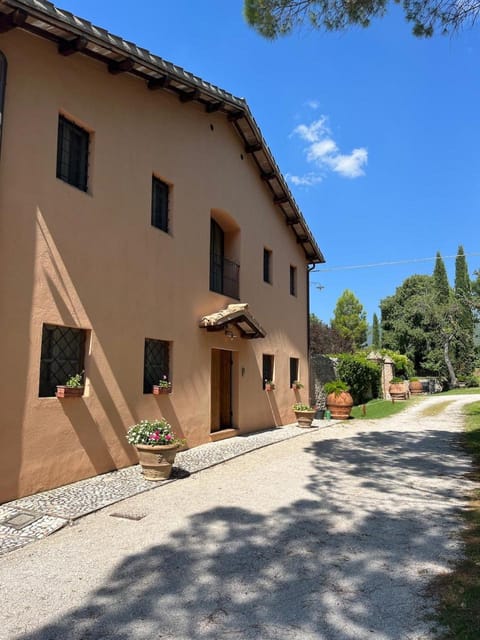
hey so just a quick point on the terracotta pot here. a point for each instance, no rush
(304, 418)
(159, 391)
(156, 460)
(69, 392)
(269, 387)
(339, 405)
(397, 391)
(416, 387)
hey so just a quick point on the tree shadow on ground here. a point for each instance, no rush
(347, 563)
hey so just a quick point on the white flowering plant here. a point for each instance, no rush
(153, 432)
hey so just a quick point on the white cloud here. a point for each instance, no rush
(323, 151)
(350, 166)
(313, 104)
(308, 180)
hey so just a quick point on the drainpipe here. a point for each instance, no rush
(3, 82)
(310, 268)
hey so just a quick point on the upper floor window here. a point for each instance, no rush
(72, 153)
(3, 82)
(293, 280)
(224, 273)
(62, 356)
(267, 266)
(160, 202)
(156, 363)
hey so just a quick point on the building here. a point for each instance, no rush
(145, 233)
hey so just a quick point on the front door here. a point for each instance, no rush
(221, 389)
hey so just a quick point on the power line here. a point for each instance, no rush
(387, 264)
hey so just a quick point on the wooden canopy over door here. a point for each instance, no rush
(221, 380)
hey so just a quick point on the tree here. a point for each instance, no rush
(274, 18)
(376, 332)
(440, 281)
(464, 348)
(325, 339)
(423, 321)
(405, 326)
(349, 319)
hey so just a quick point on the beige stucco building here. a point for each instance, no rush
(137, 202)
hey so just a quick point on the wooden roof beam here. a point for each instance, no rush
(302, 239)
(158, 83)
(120, 66)
(9, 21)
(268, 176)
(280, 200)
(188, 96)
(68, 47)
(211, 107)
(252, 148)
(233, 116)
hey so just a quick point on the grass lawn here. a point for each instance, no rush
(457, 392)
(459, 591)
(379, 409)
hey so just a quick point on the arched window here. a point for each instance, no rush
(3, 82)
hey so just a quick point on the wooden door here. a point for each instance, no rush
(221, 393)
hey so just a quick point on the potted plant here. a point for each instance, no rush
(156, 446)
(296, 384)
(338, 401)
(73, 388)
(269, 385)
(163, 386)
(397, 389)
(304, 414)
(415, 386)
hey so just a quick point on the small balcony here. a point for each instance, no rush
(224, 276)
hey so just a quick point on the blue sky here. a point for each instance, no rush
(377, 132)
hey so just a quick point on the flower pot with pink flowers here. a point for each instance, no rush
(156, 446)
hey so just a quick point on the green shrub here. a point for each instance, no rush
(336, 387)
(362, 376)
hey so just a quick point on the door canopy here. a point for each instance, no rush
(238, 315)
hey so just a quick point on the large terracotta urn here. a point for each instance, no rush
(156, 460)
(397, 391)
(339, 405)
(416, 387)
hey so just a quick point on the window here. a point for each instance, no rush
(63, 353)
(267, 266)
(293, 280)
(267, 369)
(156, 363)
(293, 370)
(3, 82)
(160, 193)
(224, 273)
(72, 153)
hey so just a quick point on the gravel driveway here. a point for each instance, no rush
(332, 535)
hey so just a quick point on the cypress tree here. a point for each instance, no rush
(440, 281)
(465, 350)
(375, 332)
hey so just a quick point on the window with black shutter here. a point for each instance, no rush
(267, 369)
(63, 353)
(160, 197)
(293, 280)
(72, 153)
(267, 266)
(293, 370)
(156, 364)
